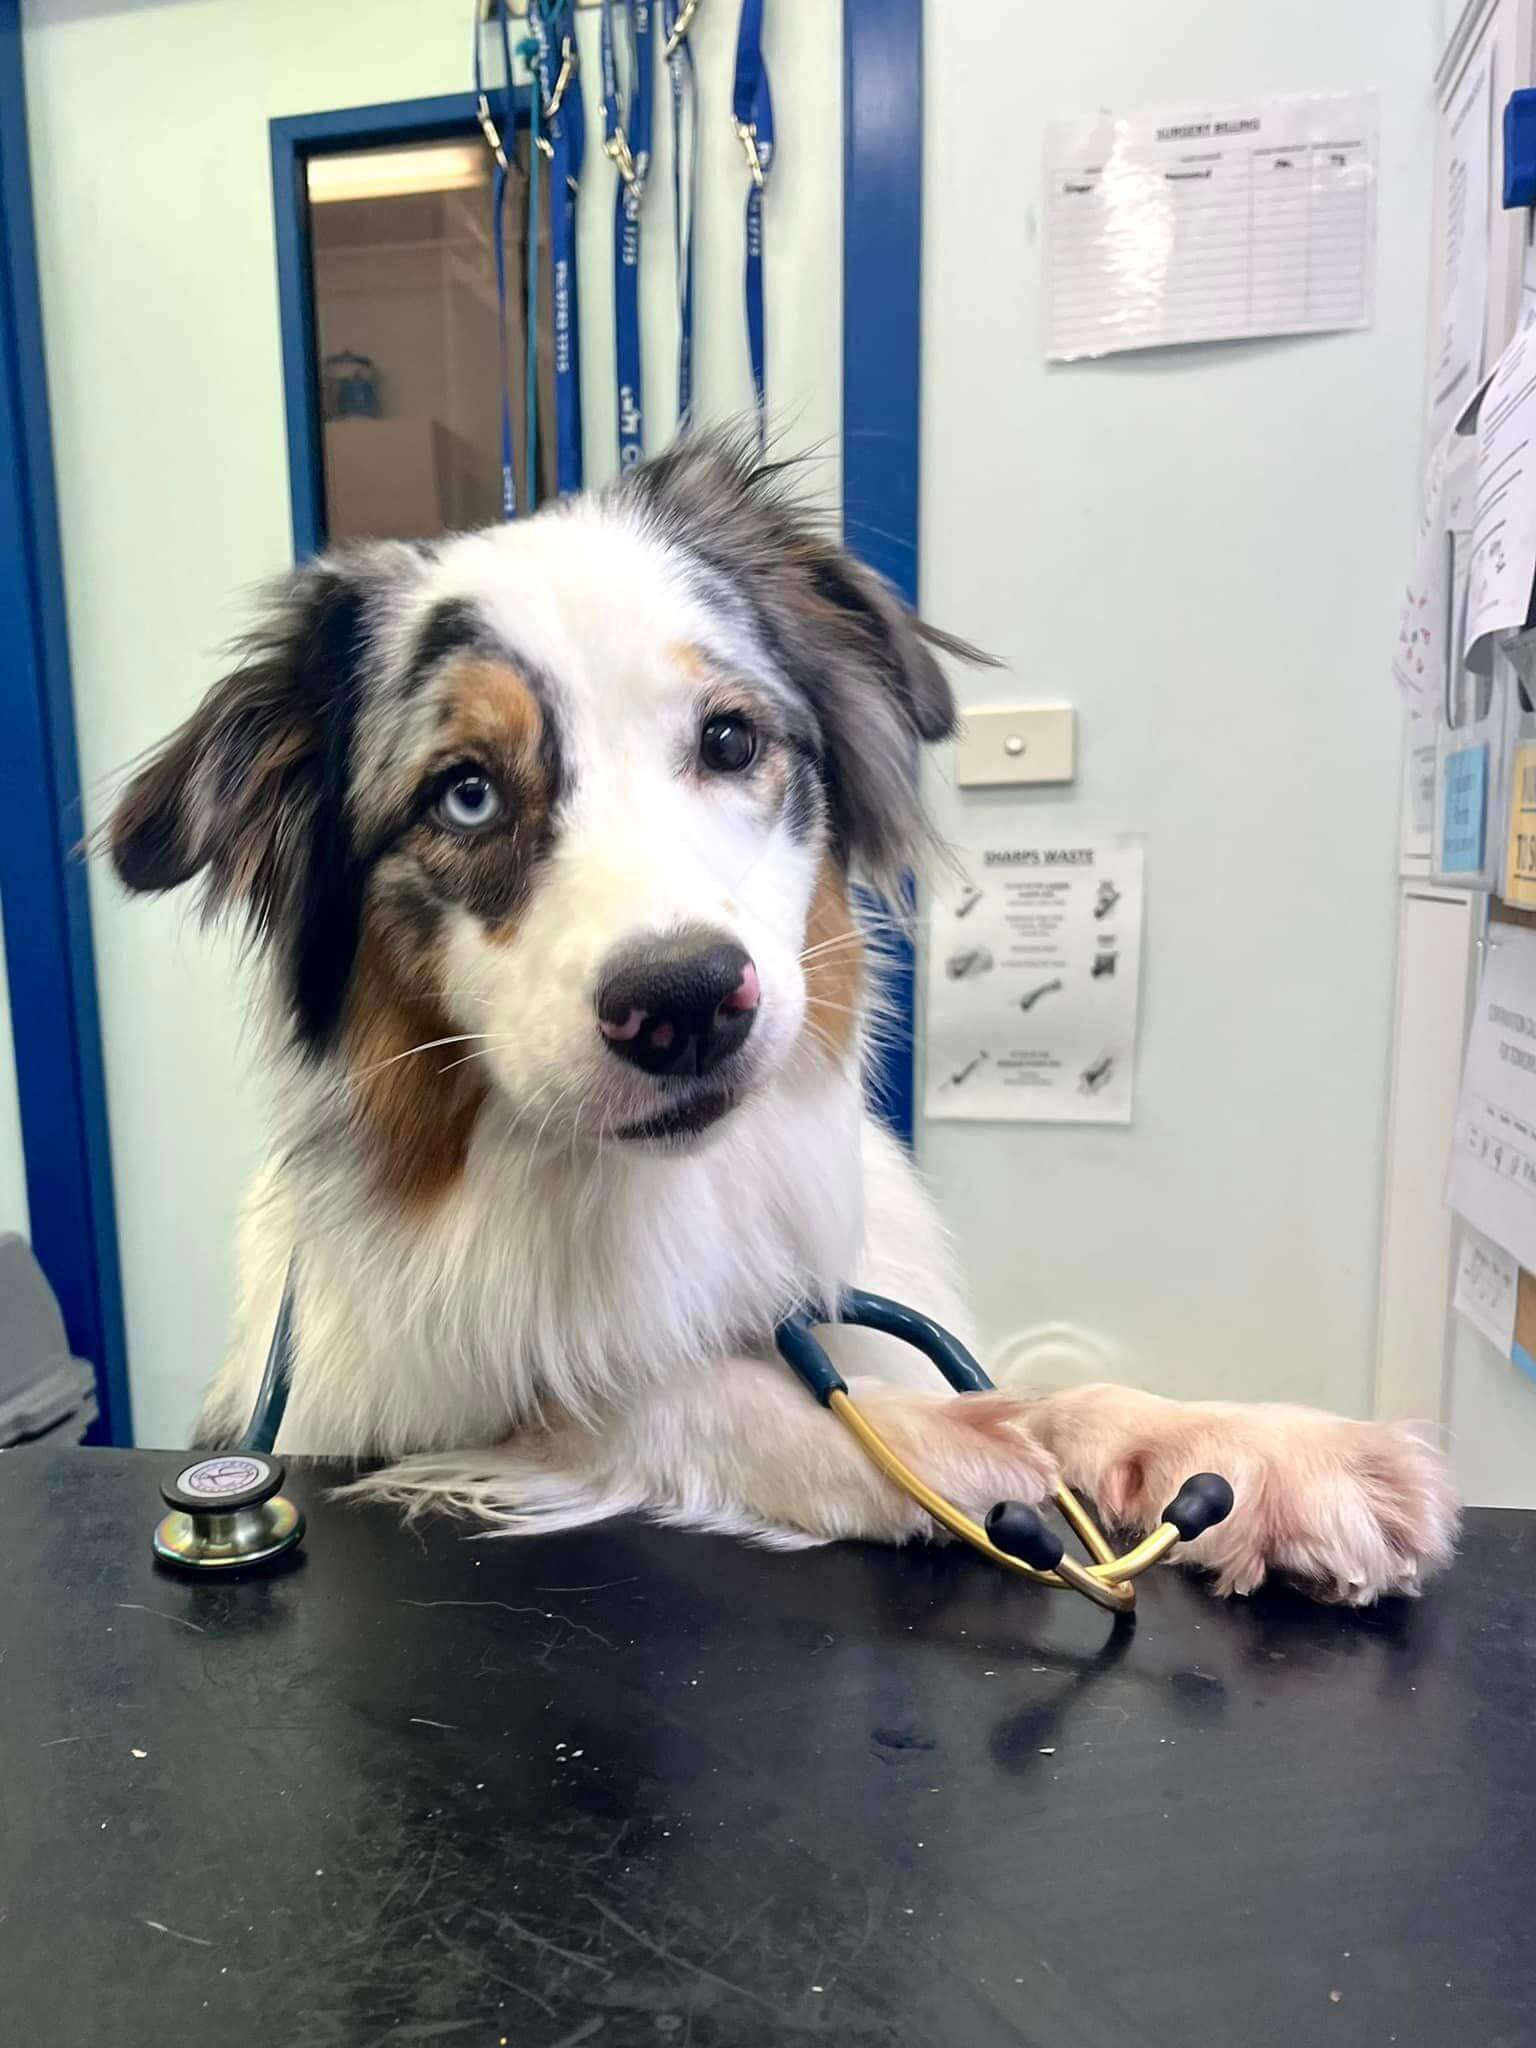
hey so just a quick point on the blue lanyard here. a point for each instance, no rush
(493, 132)
(676, 19)
(554, 28)
(528, 50)
(752, 112)
(627, 139)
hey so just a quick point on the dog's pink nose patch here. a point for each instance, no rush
(746, 995)
(748, 992)
(630, 1028)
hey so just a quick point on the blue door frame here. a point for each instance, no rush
(882, 319)
(883, 374)
(49, 961)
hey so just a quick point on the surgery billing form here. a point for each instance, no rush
(1209, 224)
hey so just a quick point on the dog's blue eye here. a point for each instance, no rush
(728, 743)
(470, 803)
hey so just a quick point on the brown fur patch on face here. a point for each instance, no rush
(693, 662)
(488, 705)
(491, 717)
(834, 971)
(415, 1118)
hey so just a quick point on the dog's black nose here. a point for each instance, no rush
(679, 1004)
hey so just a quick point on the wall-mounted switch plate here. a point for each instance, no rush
(1037, 743)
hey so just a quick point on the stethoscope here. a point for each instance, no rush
(1013, 1535)
(228, 1511)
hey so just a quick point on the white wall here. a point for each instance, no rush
(13, 1168)
(160, 306)
(1201, 549)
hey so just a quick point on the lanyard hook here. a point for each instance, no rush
(490, 131)
(617, 146)
(569, 62)
(680, 27)
(747, 131)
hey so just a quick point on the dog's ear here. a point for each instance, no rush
(839, 632)
(251, 794)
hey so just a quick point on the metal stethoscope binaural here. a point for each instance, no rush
(228, 1510)
(1013, 1535)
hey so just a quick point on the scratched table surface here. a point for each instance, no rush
(635, 1787)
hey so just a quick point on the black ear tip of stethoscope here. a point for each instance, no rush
(1199, 1504)
(1023, 1534)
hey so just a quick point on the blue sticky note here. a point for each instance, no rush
(1464, 811)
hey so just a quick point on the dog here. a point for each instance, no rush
(546, 840)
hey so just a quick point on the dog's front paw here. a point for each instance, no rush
(1355, 1509)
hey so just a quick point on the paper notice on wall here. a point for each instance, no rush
(1209, 223)
(1464, 277)
(1418, 662)
(1503, 548)
(1518, 883)
(1487, 1288)
(1034, 976)
(1420, 753)
(1493, 1154)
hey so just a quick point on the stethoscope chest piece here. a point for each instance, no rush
(227, 1511)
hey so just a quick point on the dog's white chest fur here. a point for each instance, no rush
(546, 1282)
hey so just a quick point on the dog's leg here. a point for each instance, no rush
(1357, 1509)
(742, 1448)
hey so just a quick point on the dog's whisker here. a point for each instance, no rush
(483, 1053)
(559, 1098)
(427, 1045)
(848, 942)
(824, 1005)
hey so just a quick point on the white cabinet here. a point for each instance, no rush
(1436, 961)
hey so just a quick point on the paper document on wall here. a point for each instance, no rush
(1493, 1153)
(1424, 623)
(1209, 223)
(1487, 1288)
(1034, 975)
(1464, 253)
(1503, 557)
(1420, 753)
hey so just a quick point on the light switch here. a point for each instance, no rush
(1036, 743)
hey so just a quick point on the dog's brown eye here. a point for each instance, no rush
(728, 743)
(471, 802)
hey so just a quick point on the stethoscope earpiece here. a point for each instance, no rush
(1023, 1532)
(226, 1511)
(1199, 1504)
